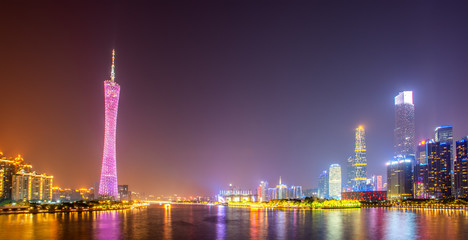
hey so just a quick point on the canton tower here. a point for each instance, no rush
(108, 182)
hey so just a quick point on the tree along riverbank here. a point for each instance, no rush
(79, 206)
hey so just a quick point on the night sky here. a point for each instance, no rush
(224, 92)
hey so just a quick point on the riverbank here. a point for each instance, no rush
(301, 204)
(67, 207)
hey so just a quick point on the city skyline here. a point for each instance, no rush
(211, 104)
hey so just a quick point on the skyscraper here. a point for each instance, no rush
(349, 174)
(432, 171)
(360, 161)
(108, 182)
(323, 185)
(404, 124)
(445, 134)
(281, 190)
(461, 169)
(334, 182)
(399, 178)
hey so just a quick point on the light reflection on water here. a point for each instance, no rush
(220, 222)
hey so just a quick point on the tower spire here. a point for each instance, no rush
(113, 66)
(280, 181)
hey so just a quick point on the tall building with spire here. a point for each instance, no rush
(360, 161)
(404, 124)
(108, 184)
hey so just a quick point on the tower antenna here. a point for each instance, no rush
(113, 66)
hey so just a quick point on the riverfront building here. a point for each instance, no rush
(235, 194)
(461, 168)
(432, 171)
(108, 182)
(404, 124)
(8, 168)
(31, 187)
(334, 182)
(399, 178)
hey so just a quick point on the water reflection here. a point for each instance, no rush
(220, 222)
(107, 224)
(167, 223)
(334, 224)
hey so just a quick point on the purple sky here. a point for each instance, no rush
(224, 92)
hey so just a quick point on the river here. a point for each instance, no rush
(222, 222)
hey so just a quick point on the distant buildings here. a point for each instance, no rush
(404, 124)
(323, 185)
(262, 192)
(70, 195)
(359, 161)
(281, 191)
(334, 181)
(235, 194)
(123, 193)
(461, 168)
(295, 192)
(399, 178)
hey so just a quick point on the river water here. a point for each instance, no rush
(220, 222)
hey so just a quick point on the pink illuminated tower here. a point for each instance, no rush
(108, 183)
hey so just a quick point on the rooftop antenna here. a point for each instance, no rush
(113, 66)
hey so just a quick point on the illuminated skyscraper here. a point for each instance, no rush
(461, 169)
(360, 161)
(281, 190)
(108, 182)
(349, 174)
(404, 124)
(334, 182)
(432, 171)
(323, 185)
(445, 134)
(399, 178)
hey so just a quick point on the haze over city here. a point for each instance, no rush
(220, 93)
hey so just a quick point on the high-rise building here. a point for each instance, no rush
(334, 182)
(31, 187)
(323, 185)
(281, 191)
(420, 178)
(360, 161)
(9, 167)
(432, 170)
(404, 124)
(379, 183)
(295, 192)
(461, 169)
(108, 183)
(399, 178)
(123, 193)
(349, 174)
(272, 193)
(445, 134)
(262, 192)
